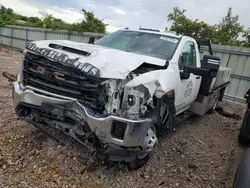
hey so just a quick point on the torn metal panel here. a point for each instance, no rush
(114, 91)
(156, 81)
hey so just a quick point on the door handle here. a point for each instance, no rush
(198, 77)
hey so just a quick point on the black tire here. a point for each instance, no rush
(243, 140)
(139, 162)
(244, 136)
(171, 125)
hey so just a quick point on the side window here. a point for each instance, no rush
(188, 56)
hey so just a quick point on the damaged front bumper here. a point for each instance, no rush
(119, 132)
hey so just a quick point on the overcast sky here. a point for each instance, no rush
(132, 13)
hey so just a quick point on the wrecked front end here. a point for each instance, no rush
(105, 115)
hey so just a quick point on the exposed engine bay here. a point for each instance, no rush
(128, 102)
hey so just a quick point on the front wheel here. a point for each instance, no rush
(149, 145)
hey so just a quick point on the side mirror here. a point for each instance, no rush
(91, 40)
(181, 61)
(196, 71)
(184, 75)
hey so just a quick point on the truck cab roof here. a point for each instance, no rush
(166, 33)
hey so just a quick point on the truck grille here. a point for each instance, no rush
(57, 78)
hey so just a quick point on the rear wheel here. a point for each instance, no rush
(150, 142)
(243, 140)
(244, 136)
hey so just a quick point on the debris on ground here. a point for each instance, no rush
(4, 49)
(227, 113)
(9, 76)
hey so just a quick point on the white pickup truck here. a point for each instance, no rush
(118, 95)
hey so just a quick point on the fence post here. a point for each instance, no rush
(26, 35)
(228, 60)
(68, 36)
(45, 34)
(11, 36)
(1, 41)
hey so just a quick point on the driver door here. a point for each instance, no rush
(190, 83)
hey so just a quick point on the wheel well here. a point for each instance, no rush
(166, 100)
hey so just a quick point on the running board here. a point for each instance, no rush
(183, 116)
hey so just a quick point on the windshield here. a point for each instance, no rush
(150, 44)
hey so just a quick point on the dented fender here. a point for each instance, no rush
(157, 82)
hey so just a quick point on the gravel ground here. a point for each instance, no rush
(204, 152)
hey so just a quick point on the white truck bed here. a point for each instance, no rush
(223, 76)
(210, 91)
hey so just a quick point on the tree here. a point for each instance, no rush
(185, 26)
(48, 22)
(229, 30)
(90, 24)
(226, 33)
(177, 17)
(7, 17)
(246, 35)
(34, 22)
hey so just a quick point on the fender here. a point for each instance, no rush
(158, 82)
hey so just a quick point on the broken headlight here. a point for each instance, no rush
(134, 100)
(131, 100)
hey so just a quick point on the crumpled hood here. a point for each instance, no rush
(110, 62)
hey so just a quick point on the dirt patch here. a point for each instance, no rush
(204, 152)
(5, 49)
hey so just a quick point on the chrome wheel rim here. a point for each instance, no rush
(150, 142)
